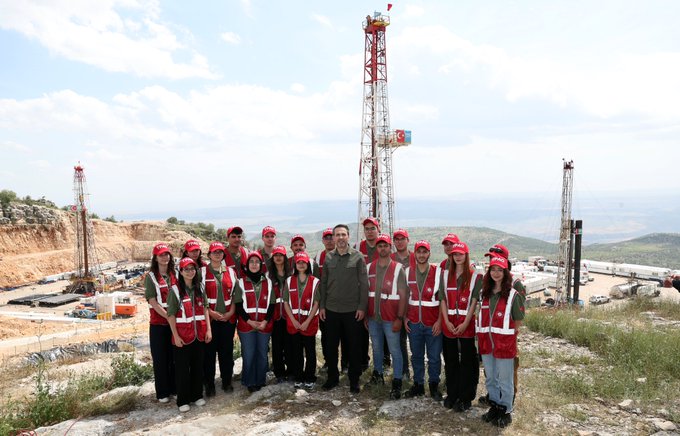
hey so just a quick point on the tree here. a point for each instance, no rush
(172, 220)
(110, 219)
(7, 196)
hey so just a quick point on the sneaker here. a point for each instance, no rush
(200, 402)
(298, 385)
(184, 408)
(164, 400)
(330, 384)
(309, 386)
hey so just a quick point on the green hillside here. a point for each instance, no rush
(657, 249)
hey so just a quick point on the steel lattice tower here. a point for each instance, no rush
(376, 188)
(85, 255)
(563, 258)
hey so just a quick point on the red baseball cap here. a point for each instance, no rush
(400, 232)
(231, 230)
(301, 256)
(297, 238)
(499, 261)
(256, 254)
(186, 261)
(327, 232)
(192, 245)
(279, 249)
(423, 244)
(268, 229)
(371, 220)
(161, 248)
(499, 250)
(216, 246)
(383, 237)
(460, 247)
(451, 237)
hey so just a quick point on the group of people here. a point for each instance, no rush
(379, 290)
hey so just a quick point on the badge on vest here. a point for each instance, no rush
(388, 282)
(463, 299)
(499, 314)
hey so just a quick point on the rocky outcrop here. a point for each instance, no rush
(30, 251)
(18, 213)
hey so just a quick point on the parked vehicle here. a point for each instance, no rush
(599, 299)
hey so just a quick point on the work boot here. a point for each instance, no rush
(449, 401)
(395, 393)
(504, 419)
(492, 414)
(462, 406)
(484, 400)
(376, 379)
(416, 390)
(434, 391)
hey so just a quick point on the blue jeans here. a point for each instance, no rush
(499, 380)
(421, 339)
(254, 347)
(377, 329)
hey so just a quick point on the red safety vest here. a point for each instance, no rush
(458, 304)
(229, 261)
(389, 295)
(210, 286)
(363, 248)
(301, 309)
(442, 265)
(155, 318)
(279, 312)
(423, 306)
(411, 259)
(257, 309)
(320, 259)
(496, 332)
(190, 319)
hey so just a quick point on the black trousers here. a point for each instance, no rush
(324, 346)
(461, 368)
(302, 357)
(280, 361)
(343, 326)
(220, 348)
(163, 364)
(189, 372)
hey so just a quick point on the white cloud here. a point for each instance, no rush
(413, 11)
(97, 33)
(231, 38)
(13, 146)
(625, 84)
(247, 6)
(40, 163)
(323, 20)
(297, 87)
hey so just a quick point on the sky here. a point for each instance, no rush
(176, 105)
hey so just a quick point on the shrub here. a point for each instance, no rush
(128, 372)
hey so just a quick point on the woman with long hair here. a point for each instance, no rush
(255, 304)
(278, 270)
(157, 284)
(459, 293)
(501, 314)
(218, 282)
(301, 299)
(187, 314)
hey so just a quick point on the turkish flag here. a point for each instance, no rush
(389, 6)
(400, 136)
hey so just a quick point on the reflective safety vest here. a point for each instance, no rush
(423, 306)
(210, 286)
(229, 261)
(389, 294)
(458, 304)
(496, 332)
(190, 319)
(411, 259)
(442, 265)
(363, 248)
(320, 259)
(256, 309)
(278, 296)
(301, 307)
(155, 318)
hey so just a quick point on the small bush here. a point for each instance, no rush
(128, 372)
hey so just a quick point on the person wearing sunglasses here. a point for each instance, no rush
(188, 312)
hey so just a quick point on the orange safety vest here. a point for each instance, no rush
(301, 307)
(423, 306)
(190, 319)
(389, 295)
(496, 332)
(458, 304)
(256, 309)
(155, 318)
(210, 286)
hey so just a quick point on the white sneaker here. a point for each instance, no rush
(164, 400)
(200, 402)
(184, 408)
